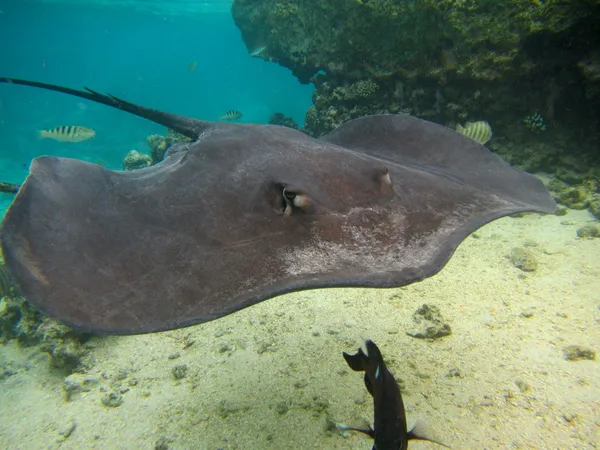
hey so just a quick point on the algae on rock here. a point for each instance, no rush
(448, 61)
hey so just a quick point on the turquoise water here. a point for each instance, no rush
(139, 54)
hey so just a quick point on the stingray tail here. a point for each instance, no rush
(191, 128)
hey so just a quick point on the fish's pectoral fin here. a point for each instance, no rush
(421, 432)
(367, 430)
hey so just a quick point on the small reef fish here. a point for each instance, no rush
(9, 188)
(478, 131)
(192, 66)
(258, 51)
(389, 430)
(68, 133)
(231, 115)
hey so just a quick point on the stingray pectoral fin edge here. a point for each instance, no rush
(205, 233)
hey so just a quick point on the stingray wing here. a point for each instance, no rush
(438, 150)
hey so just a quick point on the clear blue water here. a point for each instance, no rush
(140, 56)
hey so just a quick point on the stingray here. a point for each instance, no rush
(246, 212)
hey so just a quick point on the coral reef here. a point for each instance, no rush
(383, 38)
(135, 160)
(523, 259)
(63, 344)
(18, 320)
(160, 144)
(535, 122)
(583, 193)
(448, 61)
(280, 119)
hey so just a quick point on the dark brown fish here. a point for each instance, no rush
(389, 428)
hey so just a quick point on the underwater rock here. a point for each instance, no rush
(279, 119)
(522, 385)
(112, 400)
(180, 371)
(65, 430)
(595, 207)
(299, 36)
(160, 144)
(19, 320)
(584, 194)
(578, 353)
(588, 231)
(77, 383)
(434, 60)
(135, 160)
(430, 323)
(561, 211)
(162, 443)
(158, 147)
(63, 344)
(523, 259)
(363, 89)
(577, 197)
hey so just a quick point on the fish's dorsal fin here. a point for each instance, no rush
(420, 432)
(187, 126)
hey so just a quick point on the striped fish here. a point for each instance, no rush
(7, 285)
(68, 133)
(9, 188)
(231, 115)
(478, 131)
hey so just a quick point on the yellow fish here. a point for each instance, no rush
(68, 133)
(231, 115)
(478, 131)
(192, 66)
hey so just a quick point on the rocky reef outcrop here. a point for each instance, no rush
(531, 68)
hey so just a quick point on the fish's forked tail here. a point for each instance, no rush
(361, 361)
(357, 362)
(191, 128)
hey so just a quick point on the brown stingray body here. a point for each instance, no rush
(248, 212)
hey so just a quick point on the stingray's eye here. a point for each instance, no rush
(293, 200)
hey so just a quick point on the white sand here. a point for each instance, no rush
(268, 377)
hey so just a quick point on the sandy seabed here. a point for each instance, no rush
(272, 376)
